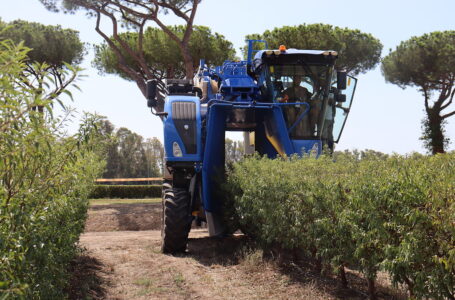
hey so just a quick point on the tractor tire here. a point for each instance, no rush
(176, 220)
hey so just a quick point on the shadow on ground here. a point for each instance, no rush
(239, 249)
(218, 251)
(86, 279)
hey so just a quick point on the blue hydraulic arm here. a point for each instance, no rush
(252, 51)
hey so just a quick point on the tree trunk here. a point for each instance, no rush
(435, 134)
(371, 289)
(317, 261)
(342, 273)
(189, 69)
(170, 72)
(410, 285)
(297, 253)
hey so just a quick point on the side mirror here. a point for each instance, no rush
(150, 93)
(341, 80)
(340, 97)
(152, 103)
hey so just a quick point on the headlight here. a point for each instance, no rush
(176, 150)
(334, 53)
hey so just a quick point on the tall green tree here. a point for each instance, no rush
(234, 150)
(427, 62)
(163, 54)
(135, 15)
(358, 51)
(107, 130)
(128, 155)
(154, 152)
(55, 53)
(132, 160)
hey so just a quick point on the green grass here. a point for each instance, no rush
(179, 280)
(105, 201)
(147, 282)
(149, 287)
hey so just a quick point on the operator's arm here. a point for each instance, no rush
(345, 109)
(285, 94)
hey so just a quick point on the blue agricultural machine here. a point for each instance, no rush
(286, 101)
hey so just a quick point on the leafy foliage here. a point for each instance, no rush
(70, 6)
(234, 150)
(45, 178)
(51, 64)
(428, 63)
(50, 44)
(154, 154)
(135, 15)
(390, 213)
(358, 52)
(163, 54)
(129, 156)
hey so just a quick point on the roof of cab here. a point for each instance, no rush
(260, 53)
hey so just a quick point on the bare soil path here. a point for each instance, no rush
(123, 261)
(121, 217)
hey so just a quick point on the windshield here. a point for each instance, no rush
(277, 78)
(302, 91)
(340, 110)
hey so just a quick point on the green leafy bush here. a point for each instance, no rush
(126, 191)
(45, 179)
(368, 211)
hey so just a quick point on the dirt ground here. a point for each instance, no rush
(122, 260)
(117, 217)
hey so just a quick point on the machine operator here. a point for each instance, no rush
(297, 93)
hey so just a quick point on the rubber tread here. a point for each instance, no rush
(176, 220)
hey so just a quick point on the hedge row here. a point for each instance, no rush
(126, 191)
(45, 179)
(376, 213)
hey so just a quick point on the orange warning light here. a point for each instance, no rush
(282, 48)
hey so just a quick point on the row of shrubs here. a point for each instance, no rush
(45, 179)
(126, 191)
(368, 212)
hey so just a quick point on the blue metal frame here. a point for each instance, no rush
(171, 135)
(278, 136)
(252, 51)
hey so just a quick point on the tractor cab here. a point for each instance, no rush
(309, 91)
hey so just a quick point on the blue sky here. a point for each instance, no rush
(384, 117)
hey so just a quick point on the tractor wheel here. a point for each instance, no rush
(176, 220)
